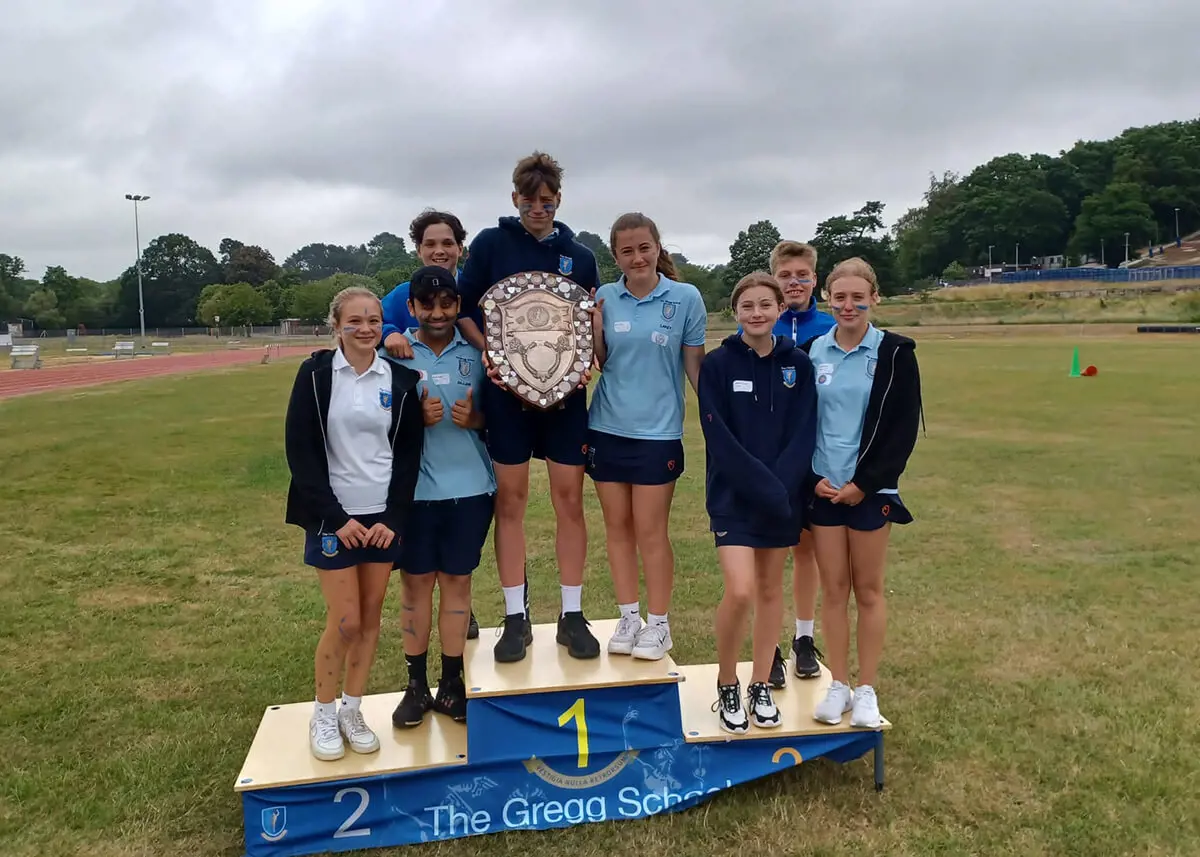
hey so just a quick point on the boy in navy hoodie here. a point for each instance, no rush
(758, 413)
(517, 432)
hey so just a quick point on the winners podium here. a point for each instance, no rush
(549, 742)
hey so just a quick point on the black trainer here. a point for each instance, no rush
(778, 677)
(515, 637)
(451, 699)
(574, 634)
(473, 627)
(411, 710)
(807, 665)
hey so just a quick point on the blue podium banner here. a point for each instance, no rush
(579, 723)
(535, 793)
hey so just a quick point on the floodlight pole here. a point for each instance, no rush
(1178, 238)
(135, 199)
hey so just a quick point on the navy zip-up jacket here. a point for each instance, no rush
(759, 417)
(508, 248)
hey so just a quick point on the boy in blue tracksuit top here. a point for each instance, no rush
(758, 414)
(794, 267)
(516, 432)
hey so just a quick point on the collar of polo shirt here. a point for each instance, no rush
(340, 362)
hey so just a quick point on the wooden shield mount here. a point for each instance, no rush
(539, 335)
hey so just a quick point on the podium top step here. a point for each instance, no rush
(279, 754)
(547, 666)
(796, 702)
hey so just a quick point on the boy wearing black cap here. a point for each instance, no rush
(534, 241)
(452, 513)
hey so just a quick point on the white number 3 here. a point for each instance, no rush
(364, 799)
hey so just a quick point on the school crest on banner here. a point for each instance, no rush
(329, 544)
(274, 823)
(385, 399)
(789, 376)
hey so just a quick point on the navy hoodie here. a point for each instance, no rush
(508, 248)
(759, 417)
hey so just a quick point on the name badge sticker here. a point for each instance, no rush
(659, 338)
(824, 374)
(622, 326)
(743, 386)
(442, 379)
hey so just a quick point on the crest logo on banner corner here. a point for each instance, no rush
(668, 310)
(565, 265)
(465, 366)
(385, 399)
(274, 823)
(789, 376)
(329, 547)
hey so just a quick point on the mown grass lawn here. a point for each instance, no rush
(1041, 661)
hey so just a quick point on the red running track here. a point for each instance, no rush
(20, 382)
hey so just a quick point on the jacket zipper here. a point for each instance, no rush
(883, 401)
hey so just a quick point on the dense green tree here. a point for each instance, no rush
(750, 252)
(174, 271)
(235, 303)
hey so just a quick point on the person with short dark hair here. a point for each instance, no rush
(758, 411)
(452, 512)
(534, 241)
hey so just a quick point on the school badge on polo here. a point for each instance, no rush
(329, 544)
(465, 366)
(565, 265)
(789, 376)
(871, 361)
(385, 399)
(668, 310)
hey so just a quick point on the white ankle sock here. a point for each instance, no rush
(351, 701)
(572, 599)
(633, 611)
(655, 619)
(804, 627)
(325, 710)
(514, 599)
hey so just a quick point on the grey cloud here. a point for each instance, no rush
(305, 121)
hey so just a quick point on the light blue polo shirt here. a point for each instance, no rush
(454, 461)
(640, 394)
(844, 380)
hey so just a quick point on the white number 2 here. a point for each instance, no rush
(364, 799)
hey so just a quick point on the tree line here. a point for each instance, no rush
(1079, 205)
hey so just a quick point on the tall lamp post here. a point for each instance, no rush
(1178, 239)
(135, 198)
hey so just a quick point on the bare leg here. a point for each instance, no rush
(833, 561)
(416, 611)
(868, 551)
(616, 502)
(453, 612)
(570, 535)
(342, 628)
(372, 586)
(737, 567)
(512, 496)
(651, 515)
(805, 581)
(768, 608)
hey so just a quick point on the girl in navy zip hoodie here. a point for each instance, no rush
(353, 436)
(869, 406)
(758, 413)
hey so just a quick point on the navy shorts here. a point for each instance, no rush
(517, 432)
(446, 535)
(754, 540)
(327, 552)
(871, 514)
(635, 461)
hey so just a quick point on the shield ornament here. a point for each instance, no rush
(539, 335)
(274, 823)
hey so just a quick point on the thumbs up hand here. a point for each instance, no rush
(432, 407)
(463, 412)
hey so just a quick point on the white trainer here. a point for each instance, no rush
(653, 642)
(358, 733)
(836, 703)
(764, 713)
(730, 712)
(866, 708)
(625, 637)
(324, 739)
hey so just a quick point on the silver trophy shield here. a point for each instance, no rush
(539, 335)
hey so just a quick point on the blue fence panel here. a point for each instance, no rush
(1106, 275)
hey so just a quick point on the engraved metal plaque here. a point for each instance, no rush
(539, 335)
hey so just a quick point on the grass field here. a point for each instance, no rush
(1040, 669)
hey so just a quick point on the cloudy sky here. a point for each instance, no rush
(282, 122)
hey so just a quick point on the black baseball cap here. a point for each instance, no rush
(428, 282)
